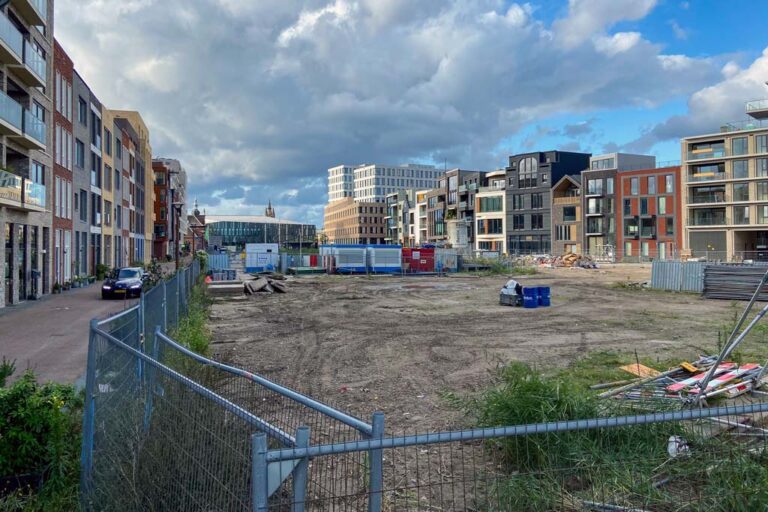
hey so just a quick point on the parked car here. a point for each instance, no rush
(123, 283)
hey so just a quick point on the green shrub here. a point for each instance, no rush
(101, 271)
(40, 427)
(193, 331)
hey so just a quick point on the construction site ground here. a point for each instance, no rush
(399, 344)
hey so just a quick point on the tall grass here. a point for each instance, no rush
(193, 331)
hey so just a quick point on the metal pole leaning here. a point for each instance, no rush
(86, 454)
(165, 309)
(300, 472)
(376, 466)
(259, 473)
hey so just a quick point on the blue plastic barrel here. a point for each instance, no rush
(544, 296)
(530, 298)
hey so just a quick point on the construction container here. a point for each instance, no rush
(531, 297)
(313, 259)
(351, 259)
(385, 259)
(261, 257)
(419, 260)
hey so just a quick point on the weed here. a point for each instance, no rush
(192, 331)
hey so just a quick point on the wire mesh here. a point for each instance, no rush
(158, 441)
(172, 302)
(153, 303)
(124, 326)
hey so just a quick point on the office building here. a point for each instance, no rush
(347, 221)
(599, 200)
(372, 183)
(341, 182)
(725, 214)
(26, 177)
(239, 230)
(528, 193)
(648, 212)
(490, 213)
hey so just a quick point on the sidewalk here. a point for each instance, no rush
(51, 335)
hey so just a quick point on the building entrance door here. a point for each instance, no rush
(21, 235)
(8, 263)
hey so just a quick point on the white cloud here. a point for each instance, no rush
(679, 31)
(261, 97)
(617, 43)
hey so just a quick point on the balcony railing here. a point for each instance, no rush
(462, 188)
(463, 204)
(10, 111)
(708, 176)
(707, 198)
(747, 124)
(21, 193)
(755, 105)
(34, 127)
(34, 194)
(41, 6)
(567, 200)
(491, 189)
(715, 220)
(11, 36)
(701, 155)
(34, 61)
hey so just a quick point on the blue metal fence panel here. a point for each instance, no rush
(218, 262)
(678, 276)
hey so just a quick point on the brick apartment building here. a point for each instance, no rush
(649, 210)
(567, 225)
(63, 142)
(349, 222)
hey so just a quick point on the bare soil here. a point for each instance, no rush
(397, 345)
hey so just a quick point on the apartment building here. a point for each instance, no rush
(399, 217)
(372, 182)
(567, 225)
(109, 188)
(462, 185)
(599, 200)
(63, 144)
(138, 177)
(649, 208)
(347, 221)
(341, 182)
(419, 226)
(83, 213)
(528, 194)
(436, 229)
(725, 214)
(26, 176)
(169, 192)
(490, 212)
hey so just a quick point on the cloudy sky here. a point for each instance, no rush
(258, 98)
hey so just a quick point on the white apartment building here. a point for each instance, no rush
(490, 214)
(340, 182)
(373, 182)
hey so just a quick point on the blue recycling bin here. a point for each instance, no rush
(544, 296)
(530, 298)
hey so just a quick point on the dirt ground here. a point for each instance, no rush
(397, 345)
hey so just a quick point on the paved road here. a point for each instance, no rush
(51, 335)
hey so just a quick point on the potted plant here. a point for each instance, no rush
(67, 285)
(101, 271)
(91, 279)
(56, 287)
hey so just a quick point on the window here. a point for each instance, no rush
(527, 171)
(118, 149)
(761, 167)
(38, 111)
(537, 201)
(107, 142)
(107, 213)
(79, 153)
(69, 200)
(594, 206)
(95, 170)
(518, 222)
(605, 163)
(117, 179)
(630, 227)
(669, 230)
(627, 248)
(669, 183)
(569, 214)
(57, 205)
(537, 221)
(741, 191)
(37, 172)
(706, 172)
(563, 232)
(648, 227)
(634, 186)
(644, 249)
(651, 185)
(662, 210)
(595, 187)
(627, 207)
(762, 214)
(609, 187)
(490, 204)
(594, 225)
(83, 205)
(517, 202)
(644, 206)
(761, 144)
(740, 169)
(107, 177)
(739, 146)
(163, 215)
(82, 111)
(741, 214)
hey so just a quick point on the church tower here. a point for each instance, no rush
(270, 212)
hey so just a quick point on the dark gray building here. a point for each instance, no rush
(81, 181)
(530, 177)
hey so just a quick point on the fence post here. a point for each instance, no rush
(165, 308)
(376, 463)
(150, 389)
(140, 334)
(259, 483)
(86, 455)
(300, 472)
(178, 299)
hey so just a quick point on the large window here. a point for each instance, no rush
(707, 172)
(569, 213)
(634, 186)
(740, 169)
(651, 185)
(761, 167)
(603, 163)
(741, 214)
(631, 227)
(761, 144)
(537, 201)
(739, 146)
(518, 203)
(707, 217)
(564, 232)
(537, 221)
(79, 153)
(662, 208)
(648, 227)
(595, 187)
(609, 187)
(518, 222)
(527, 171)
(669, 183)
(741, 191)
(713, 194)
(490, 204)
(82, 111)
(594, 225)
(490, 227)
(594, 206)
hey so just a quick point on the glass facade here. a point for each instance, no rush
(240, 233)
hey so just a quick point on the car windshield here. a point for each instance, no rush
(128, 273)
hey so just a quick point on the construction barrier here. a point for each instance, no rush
(678, 276)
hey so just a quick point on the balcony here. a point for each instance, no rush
(32, 134)
(594, 212)
(707, 176)
(703, 155)
(20, 193)
(33, 70)
(758, 109)
(567, 200)
(462, 189)
(707, 217)
(463, 204)
(34, 11)
(11, 114)
(11, 42)
(707, 198)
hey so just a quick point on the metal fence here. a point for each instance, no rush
(169, 429)
(678, 276)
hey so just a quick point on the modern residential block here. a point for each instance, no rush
(529, 180)
(63, 179)
(348, 221)
(567, 224)
(26, 156)
(725, 176)
(110, 192)
(86, 180)
(372, 182)
(599, 200)
(649, 208)
(490, 213)
(400, 217)
(170, 184)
